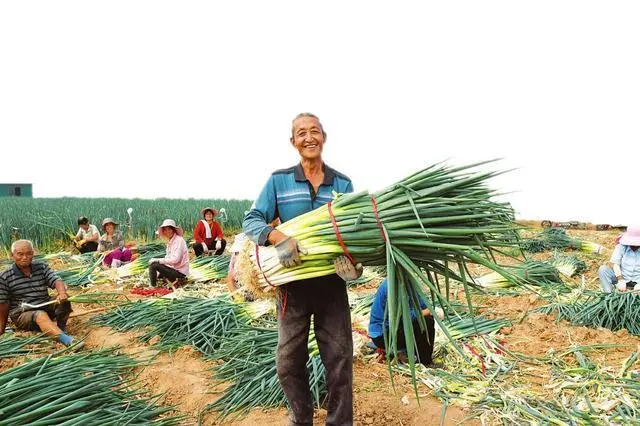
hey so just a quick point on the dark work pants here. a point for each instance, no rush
(197, 248)
(89, 247)
(326, 299)
(158, 269)
(424, 340)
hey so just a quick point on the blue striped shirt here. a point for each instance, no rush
(288, 194)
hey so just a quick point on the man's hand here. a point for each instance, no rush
(346, 270)
(204, 247)
(218, 244)
(439, 312)
(289, 250)
(62, 297)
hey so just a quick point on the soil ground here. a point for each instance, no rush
(184, 377)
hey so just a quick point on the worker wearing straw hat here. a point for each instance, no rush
(287, 194)
(207, 234)
(175, 265)
(625, 270)
(24, 296)
(111, 243)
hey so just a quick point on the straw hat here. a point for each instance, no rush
(109, 220)
(171, 223)
(211, 209)
(631, 237)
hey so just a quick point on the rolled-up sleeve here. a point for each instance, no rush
(263, 211)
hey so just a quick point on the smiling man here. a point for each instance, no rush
(28, 282)
(287, 194)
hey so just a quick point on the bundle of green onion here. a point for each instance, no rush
(530, 272)
(557, 239)
(614, 311)
(568, 265)
(209, 268)
(80, 275)
(426, 226)
(439, 214)
(86, 388)
(141, 264)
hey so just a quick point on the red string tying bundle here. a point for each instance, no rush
(339, 236)
(375, 213)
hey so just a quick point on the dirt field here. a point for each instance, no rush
(185, 380)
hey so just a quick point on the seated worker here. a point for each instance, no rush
(112, 244)
(424, 339)
(28, 282)
(625, 260)
(208, 234)
(87, 236)
(175, 265)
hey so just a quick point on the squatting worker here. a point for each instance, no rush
(625, 261)
(287, 194)
(87, 237)
(424, 339)
(28, 282)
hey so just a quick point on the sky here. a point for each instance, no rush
(195, 99)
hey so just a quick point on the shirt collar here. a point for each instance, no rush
(329, 174)
(17, 270)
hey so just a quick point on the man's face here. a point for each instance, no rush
(23, 255)
(85, 226)
(307, 137)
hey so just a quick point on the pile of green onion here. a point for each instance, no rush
(85, 388)
(12, 346)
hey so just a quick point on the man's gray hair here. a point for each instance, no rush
(16, 243)
(308, 114)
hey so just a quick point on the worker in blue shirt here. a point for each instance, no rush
(424, 338)
(287, 194)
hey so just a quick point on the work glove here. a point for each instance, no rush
(439, 312)
(636, 287)
(153, 260)
(621, 285)
(289, 251)
(218, 244)
(204, 247)
(347, 270)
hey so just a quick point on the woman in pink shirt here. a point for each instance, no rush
(175, 265)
